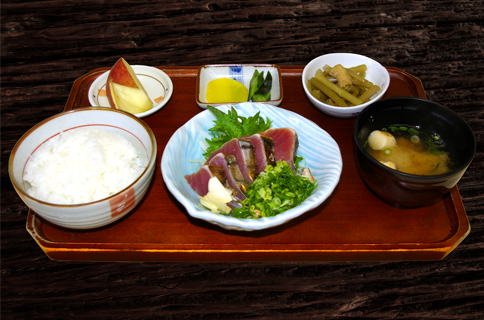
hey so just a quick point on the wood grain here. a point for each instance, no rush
(46, 45)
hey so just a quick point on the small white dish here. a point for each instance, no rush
(320, 151)
(376, 73)
(156, 83)
(240, 72)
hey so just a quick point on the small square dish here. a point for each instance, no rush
(240, 72)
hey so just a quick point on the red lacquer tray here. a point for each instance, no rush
(351, 225)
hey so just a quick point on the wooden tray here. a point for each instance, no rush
(351, 225)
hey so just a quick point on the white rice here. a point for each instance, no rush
(82, 165)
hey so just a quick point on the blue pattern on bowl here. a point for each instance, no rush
(237, 73)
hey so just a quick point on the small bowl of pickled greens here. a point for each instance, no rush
(219, 84)
(411, 152)
(343, 84)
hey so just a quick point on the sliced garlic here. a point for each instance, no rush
(217, 197)
(214, 205)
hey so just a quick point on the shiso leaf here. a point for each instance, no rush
(230, 125)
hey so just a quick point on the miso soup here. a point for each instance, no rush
(407, 149)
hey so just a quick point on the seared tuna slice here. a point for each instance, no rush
(264, 151)
(285, 144)
(225, 168)
(244, 154)
(219, 173)
(199, 180)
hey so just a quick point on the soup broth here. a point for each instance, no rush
(415, 152)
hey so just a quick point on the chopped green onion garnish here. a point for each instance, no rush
(275, 190)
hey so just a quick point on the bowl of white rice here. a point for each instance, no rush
(85, 168)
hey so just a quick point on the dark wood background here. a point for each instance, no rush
(46, 45)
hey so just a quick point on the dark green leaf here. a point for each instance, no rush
(230, 125)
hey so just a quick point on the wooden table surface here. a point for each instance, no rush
(47, 45)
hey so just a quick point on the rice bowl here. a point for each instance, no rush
(100, 212)
(82, 165)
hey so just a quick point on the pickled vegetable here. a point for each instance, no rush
(224, 90)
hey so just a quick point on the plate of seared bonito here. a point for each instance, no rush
(250, 166)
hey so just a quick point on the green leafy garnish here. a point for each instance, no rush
(275, 190)
(413, 131)
(297, 162)
(230, 125)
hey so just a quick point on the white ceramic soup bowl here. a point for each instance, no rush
(93, 214)
(375, 73)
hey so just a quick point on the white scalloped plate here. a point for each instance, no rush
(321, 152)
(156, 83)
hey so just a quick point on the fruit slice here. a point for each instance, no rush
(224, 90)
(125, 91)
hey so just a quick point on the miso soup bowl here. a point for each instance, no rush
(407, 190)
(97, 213)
